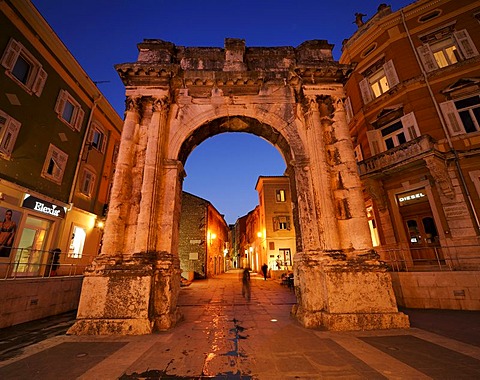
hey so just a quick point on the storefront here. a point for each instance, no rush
(420, 227)
(34, 223)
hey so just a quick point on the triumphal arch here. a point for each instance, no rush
(176, 97)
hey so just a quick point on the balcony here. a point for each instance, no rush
(401, 155)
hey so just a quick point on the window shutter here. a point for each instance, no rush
(79, 118)
(39, 83)
(358, 153)
(375, 141)
(103, 143)
(348, 109)
(465, 44)
(452, 118)
(275, 224)
(60, 104)
(366, 90)
(10, 136)
(11, 54)
(410, 126)
(391, 74)
(427, 58)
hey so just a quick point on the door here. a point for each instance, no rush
(31, 254)
(422, 235)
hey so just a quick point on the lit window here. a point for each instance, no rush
(378, 80)
(69, 110)
(23, 68)
(393, 134)
(54, 166)
(445, 47)
(88, 182)
(77, 241)
(280, 195)
(9, 128)
(462, 115)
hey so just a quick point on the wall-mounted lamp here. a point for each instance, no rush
(99, 224)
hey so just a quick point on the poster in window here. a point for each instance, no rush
(10, 219)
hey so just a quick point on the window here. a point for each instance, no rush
(88, 182)
(9, 128)
(462, 115)
(358, 153)
(378, 80)
(281, 223)
(97, 138)
(445, 47)
(68, 110)
(280, 196)
(54, 166)
(77, 241)
(23, 68)
(393, 134)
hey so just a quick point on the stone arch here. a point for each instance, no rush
(176, 98)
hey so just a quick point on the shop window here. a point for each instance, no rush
(445, 47)
(378, 80)
(372, 224)
(97, 138)
(431, 234)
(281, 223)
(9, 128)
(393, 134)
(413, 231)
(88, 183)
(54, 165)
(462, 115)
(69, 110)
(280, 195)
(23, 68)
(77, 242)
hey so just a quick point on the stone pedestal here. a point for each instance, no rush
(341, 292)
(131, 297)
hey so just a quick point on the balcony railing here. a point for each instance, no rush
(400, 155)
(34, 263)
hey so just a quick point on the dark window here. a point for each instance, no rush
(21, 70)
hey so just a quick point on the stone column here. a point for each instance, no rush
(166, 279)
(321, 180)
(152, 175)
(346, 185)
(118, 207)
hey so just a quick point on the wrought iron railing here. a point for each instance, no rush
(34, 263)
(433, 258)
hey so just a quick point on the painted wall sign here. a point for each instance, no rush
(43, 206)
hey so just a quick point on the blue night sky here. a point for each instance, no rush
(223, 169)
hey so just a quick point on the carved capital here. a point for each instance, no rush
(439, 171)
(374, 188)
(133, 104)
(160, 104)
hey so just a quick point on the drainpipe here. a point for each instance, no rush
(444, 127)
(82, 150)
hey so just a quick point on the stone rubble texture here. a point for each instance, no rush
(176, 97)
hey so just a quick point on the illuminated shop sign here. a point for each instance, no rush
(42, 206)
(410, 197)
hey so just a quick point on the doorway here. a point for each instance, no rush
(31, 255)
(422, 233)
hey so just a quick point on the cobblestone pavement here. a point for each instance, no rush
(223, 336)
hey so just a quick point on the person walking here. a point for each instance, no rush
(246, 292)
(264, 271)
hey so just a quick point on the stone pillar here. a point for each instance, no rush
(321, 193)
(156, 135)
(346, 185)
(119, 204)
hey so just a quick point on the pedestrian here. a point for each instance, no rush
(55, 261)
(246, 284)
(264, 271)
